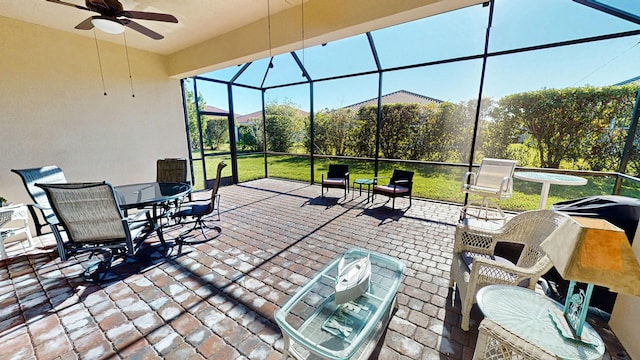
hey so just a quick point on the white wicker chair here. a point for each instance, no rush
(474, 264)
(497, 343)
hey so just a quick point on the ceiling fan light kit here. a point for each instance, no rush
(113, 17)
(107, 25)
(112, 20)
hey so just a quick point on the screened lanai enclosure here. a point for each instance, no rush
(552, 84)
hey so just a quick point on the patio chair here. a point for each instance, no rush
(475, 264)
(44, 175)
(337, 177)
(400, 185)
(497, 343)
(93, 221)
(200, 212)
(493, 180)
(172, 170)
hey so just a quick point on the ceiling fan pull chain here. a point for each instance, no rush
(126, 49)
(99, 62)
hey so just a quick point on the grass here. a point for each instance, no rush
(430, 181)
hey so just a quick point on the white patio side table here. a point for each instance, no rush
(547, 179)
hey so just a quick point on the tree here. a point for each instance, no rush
(331, 131)
(571, 124)
(361, 140)
(280, 128)
(192, 116)
(250, 136)
(216, 131)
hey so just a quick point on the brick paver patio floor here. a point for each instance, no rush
(217, 300)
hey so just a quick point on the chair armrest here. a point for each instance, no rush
(375, 179)
(487, 271)
(401, 182)
(505, 184)
(468, 178)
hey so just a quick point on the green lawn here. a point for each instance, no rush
(430, 181)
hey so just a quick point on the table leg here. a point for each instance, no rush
(544, 194)
(287, 343)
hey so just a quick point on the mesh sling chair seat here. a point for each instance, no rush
(493, 180)
(92, 219)
(200, 213)
(475, 264)
(44, 175)
(337, 177)
(400, 185)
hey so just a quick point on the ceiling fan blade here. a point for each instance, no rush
(69, 4)
(143, 15)
(141, 29)
(86, 24)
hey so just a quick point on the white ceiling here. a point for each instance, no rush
(198, 20)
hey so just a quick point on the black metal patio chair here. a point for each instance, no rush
(337, 177)
(400, 185)
(201, 214)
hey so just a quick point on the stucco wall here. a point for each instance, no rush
(625, 317)
(53, 111)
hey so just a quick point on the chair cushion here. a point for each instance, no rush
(390, 189)
(468, 256)
(193, 210)
(334, 181)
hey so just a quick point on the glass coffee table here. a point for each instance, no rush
(361, 182)
(314, 327)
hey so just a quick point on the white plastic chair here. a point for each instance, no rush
(493, 180)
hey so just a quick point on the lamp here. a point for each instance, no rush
(595, 252)
(107, 25)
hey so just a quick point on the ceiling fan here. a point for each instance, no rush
(113, 17)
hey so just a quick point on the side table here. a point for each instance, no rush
(525, 314)
(548, 179)
(14, 220)
(361, 182)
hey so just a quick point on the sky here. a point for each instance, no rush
(516, 24)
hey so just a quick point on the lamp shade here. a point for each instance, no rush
(591, 250)
(107, 25)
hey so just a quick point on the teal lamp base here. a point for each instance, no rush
(574, 313)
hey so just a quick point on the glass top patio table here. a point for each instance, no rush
(147, 194)
(304, 318)
(526, 313)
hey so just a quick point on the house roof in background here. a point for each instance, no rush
(401, 96)
(634, 80)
